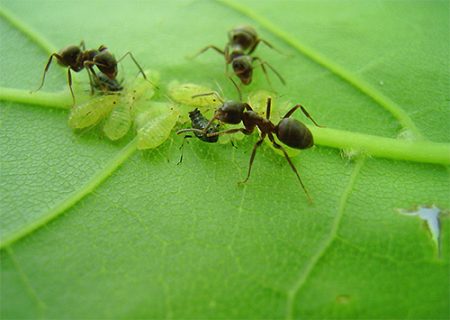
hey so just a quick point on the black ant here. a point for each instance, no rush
(77, 58)
(242, 41)
(198, 121)
(289, 130)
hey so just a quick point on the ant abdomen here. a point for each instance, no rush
(294, 134)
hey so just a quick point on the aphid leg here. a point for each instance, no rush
(69, 80)
(276, 145)
(205, 49)
(265, 63)
(290, 112)
(252, 157)
(182, 148)
(47, 66)
(213, 93)
(82, 46)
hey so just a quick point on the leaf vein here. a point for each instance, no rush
(27, 30)
(324, 245)
(357, 82)
(75, 197)
(26, 281)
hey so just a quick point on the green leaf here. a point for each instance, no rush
(97, 229)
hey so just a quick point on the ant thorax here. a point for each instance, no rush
(234, 51)
(251, 119)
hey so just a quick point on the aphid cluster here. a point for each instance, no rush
(119, 106)
(77, 58)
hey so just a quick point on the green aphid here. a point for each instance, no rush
(118, 122)
(154, 125)
(183, 93)
(139, 92)
(93, 111)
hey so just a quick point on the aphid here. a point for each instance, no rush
(93, 111)
(76, 58)
(198, 121)
(154, 125)
(290, 131)
(242, 41)
(119, 121)
(106, 84)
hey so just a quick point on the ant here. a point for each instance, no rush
(77, 58)
(198, 121)
(242, 41)
(290, 131)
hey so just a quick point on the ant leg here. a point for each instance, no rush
(205, 49)
(213, 93)
(47, 66)
(191, 130)
(203, 132)
(90, 70)
(268, 107)
(263, 63)
(229, 131)
(290, 112)
(69, 80)
(236, 86)
(267, 43)
(276, 145)
(135, 62)
(181, 148)
(252, 157)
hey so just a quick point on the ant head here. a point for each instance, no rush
(230, 112)
(243, 68)
(106, 63)
(294, 134)
(69, 57)
(244, 36)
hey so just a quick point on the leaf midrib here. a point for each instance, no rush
(358, 83)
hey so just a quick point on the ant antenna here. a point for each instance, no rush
(212, 93)
(220, 88)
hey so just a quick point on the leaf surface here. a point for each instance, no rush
(96, 229)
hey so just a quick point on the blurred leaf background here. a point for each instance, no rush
(136, 236)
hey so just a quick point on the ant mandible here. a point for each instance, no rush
(290, 131)
(76, 58)
(242, 41)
